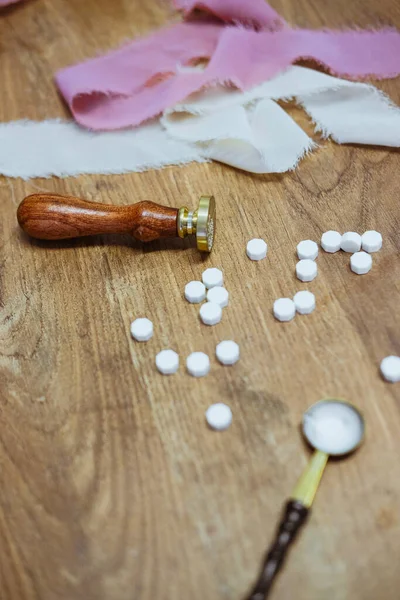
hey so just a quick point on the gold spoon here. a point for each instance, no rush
(333, 428)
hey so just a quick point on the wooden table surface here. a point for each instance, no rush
(111, 485)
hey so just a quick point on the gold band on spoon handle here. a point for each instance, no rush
(296, 513)
(307, 485)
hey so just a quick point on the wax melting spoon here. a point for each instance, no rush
(333, 428)
(54, 217)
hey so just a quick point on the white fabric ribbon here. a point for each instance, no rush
(247, 130)
(62, 148)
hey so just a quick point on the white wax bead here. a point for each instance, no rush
(360, 263)
(307, 249)
(330, 241)
(256, 249)
(210, 313)
(228, 352)
(284, 309)
(212, 277)
(390, 368)
(351, 242)
(219, 295)
(142, 330)
(304, 302)
(195, 292)
(198, 364)
(371, 241)
(306, 270)
(219, 416)
(167, 362)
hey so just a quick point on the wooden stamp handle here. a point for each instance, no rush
(294, 517)
(54, 217)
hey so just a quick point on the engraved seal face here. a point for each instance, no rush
(206, 221)
(210, 233)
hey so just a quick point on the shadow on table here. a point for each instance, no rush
(103, 240)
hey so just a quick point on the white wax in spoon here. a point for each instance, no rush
(333, 427)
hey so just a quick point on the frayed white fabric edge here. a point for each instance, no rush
(359, 114)
(346, 111)
(62, 148)
(264, 139)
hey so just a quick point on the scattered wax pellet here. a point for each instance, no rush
(167, 362)
(284, 309)
(142, 329)
(198, 364)
(371, 241)
(256, 249)
(304, 302)
(228, 352)
(219, 295)
(360, 263)
(195, 292)
(330, 241)
(306, 270)
(219, 416)
(212, 277)
(210, 313)
(307, 249)
(390, 368)
(351, 242)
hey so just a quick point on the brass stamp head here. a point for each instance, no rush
(200, 222)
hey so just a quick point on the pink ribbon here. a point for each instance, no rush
(256, 13)
(140, 80)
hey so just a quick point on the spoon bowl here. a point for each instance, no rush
(333, 426)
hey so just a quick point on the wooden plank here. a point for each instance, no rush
(111, 486)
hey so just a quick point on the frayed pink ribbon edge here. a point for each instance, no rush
(139, 81)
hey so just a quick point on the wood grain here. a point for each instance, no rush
(111, 486)
(56, 217)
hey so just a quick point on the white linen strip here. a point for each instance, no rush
(247, 130)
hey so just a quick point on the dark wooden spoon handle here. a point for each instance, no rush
(54, 217)
(294, 517)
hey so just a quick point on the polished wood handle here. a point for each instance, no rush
(294, 517)
(54, 217)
